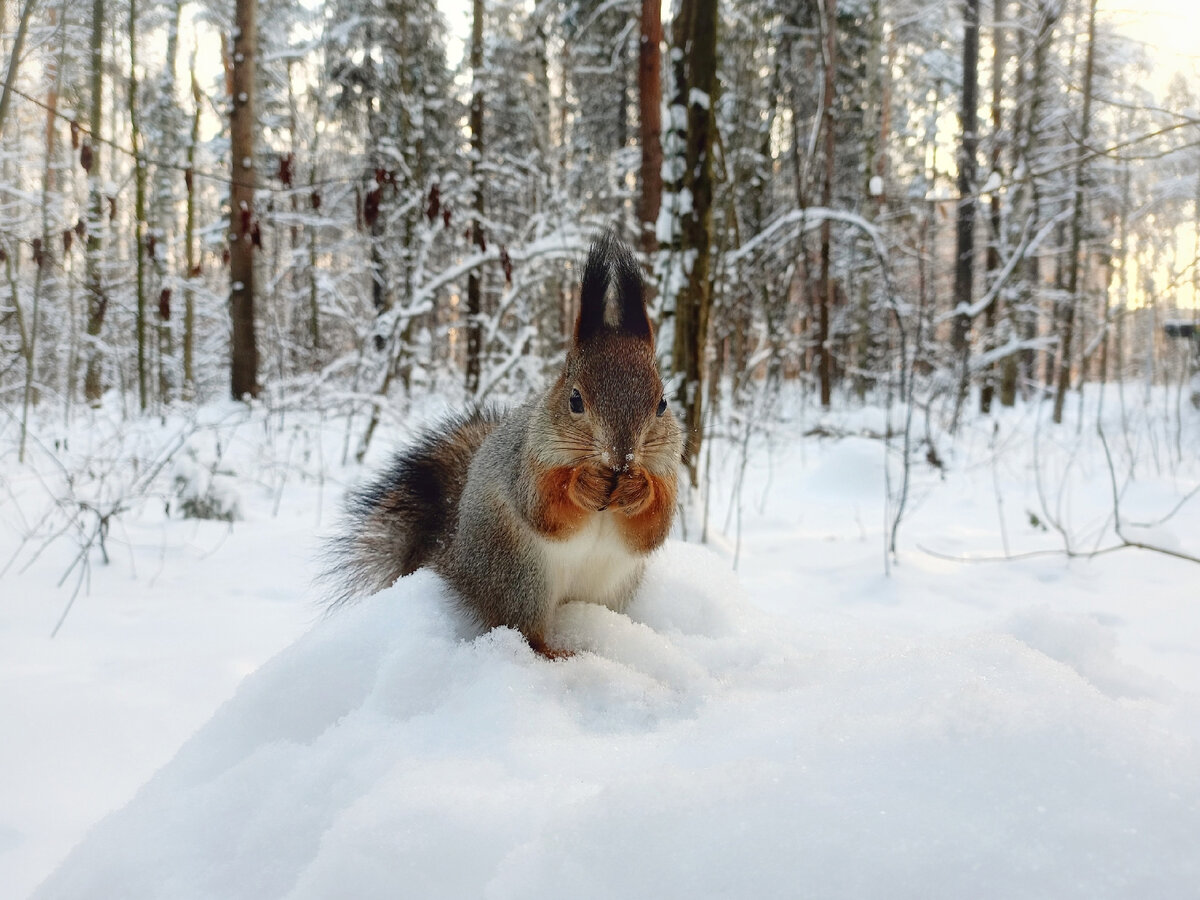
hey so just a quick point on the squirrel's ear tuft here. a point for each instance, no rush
(611, 296)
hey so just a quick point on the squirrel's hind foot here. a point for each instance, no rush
(541, 648)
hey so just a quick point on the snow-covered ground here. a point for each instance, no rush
(806, 726)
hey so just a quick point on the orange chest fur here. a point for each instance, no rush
(640, 505)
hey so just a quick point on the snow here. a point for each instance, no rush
(692, 748)
(804, 726)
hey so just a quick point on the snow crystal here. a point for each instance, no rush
(695, 747)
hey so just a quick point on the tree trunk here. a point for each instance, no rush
(826, 289)
(1068, 322)
(162, 209)
(244, 346)
(14, 60)
(694, 301)
(474, 282)
(192, 260)
(97, 301)
(44, 252)
(139, 215)
(964, 245)
(1028, 316)
(650, 122)
(993, 253)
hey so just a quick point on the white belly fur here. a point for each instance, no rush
(594, 564)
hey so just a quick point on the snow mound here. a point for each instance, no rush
(693, 748)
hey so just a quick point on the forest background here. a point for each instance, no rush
(952, 204)
(926, 287)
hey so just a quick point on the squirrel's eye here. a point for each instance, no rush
(576, 401)
(662, 406)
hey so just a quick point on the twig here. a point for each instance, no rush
(1116, 498)
(1031, 554)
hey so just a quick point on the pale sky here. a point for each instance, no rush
(1171, 28)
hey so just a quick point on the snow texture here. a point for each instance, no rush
(696, 747)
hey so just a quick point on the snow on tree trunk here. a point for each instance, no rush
(964, 247)
(1077, 209)
(650, 122)
(695, 212)
(244, 346)
(97, 302)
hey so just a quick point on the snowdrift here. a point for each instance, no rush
(693, 748)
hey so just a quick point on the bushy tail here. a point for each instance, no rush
(404, 517)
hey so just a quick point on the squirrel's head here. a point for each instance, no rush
(608, 405)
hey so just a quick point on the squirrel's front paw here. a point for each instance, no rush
(591, 487)
(633, 492)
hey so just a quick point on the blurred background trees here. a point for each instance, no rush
(956, 204)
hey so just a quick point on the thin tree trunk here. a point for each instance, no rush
(1073, 261)
(97, 300)
(14, 60)
(474, 281)
(192, 260)
(650, 122)
(991, 313)
(964, 245)
(244, 350)
(139, 221)
(314, 305)
(162, 213)
(44, 248)
(826, 290)
(694, 302)
(1047, 17)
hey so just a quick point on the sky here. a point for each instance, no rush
(1169, 27)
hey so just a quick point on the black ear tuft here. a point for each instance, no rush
(611, 275)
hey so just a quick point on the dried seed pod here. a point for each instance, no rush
(435, 202)
(285, 168)
(506, 265)
(371, 206)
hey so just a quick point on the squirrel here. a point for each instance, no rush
(561, 498)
